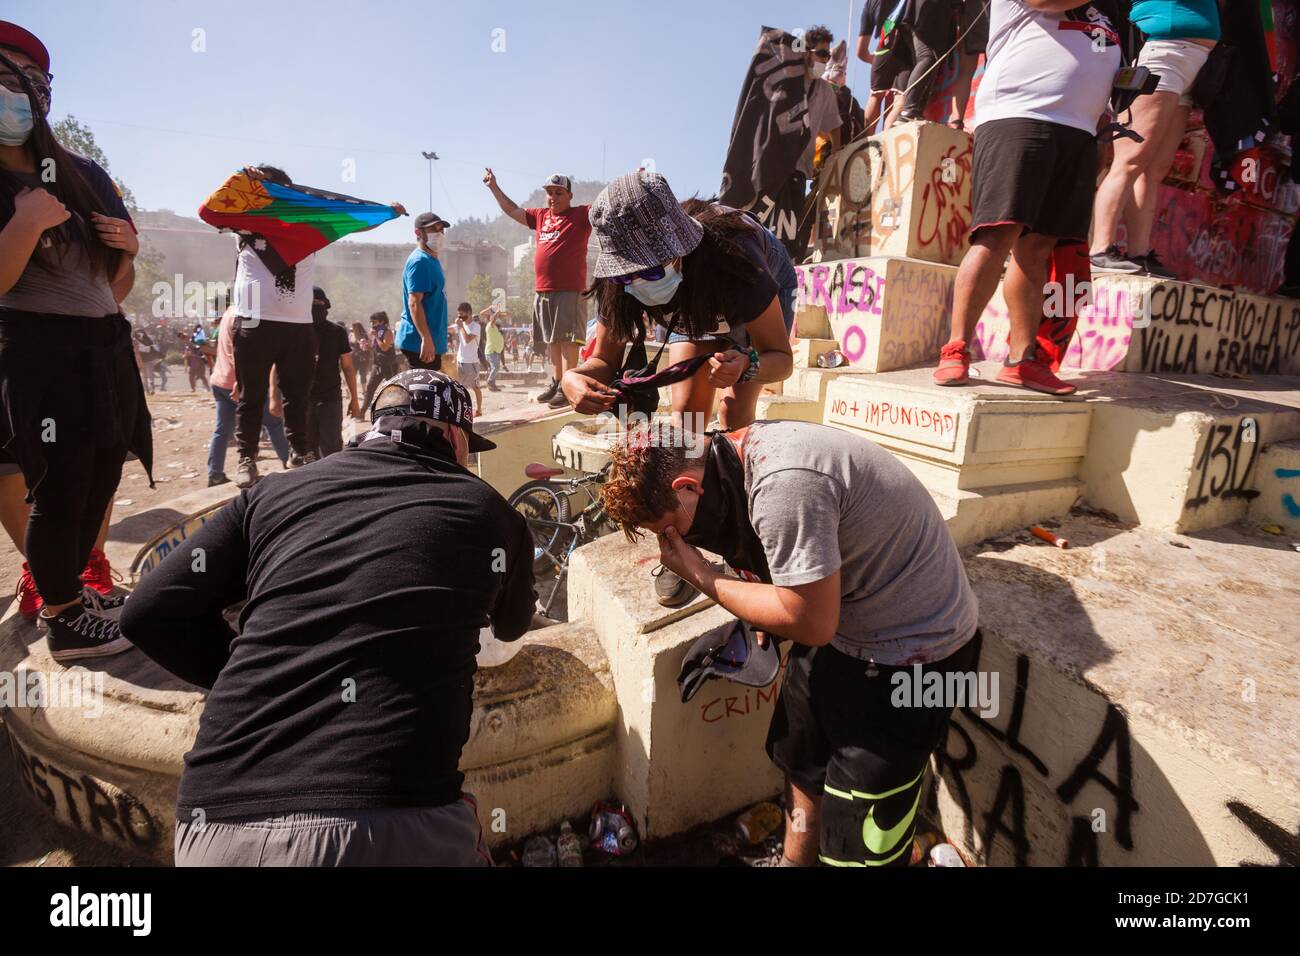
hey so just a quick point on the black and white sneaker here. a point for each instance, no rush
(104, 604)
(1111, 259)
(297, 461)
(77, 634)
(558, 401)
(546, 396)
(1152, 266)
(246, 473)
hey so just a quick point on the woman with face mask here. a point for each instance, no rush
(73, 404)
(713, 281)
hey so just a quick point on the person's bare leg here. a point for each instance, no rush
(978, 276)
(102, 538)
(871, 112)
(1150, 114)
(736, 405)
(961, 88)
(895, 107)
(1024, 289)
(14, 510)
(693, 398)
(557, 360)
(569, 354)
(1140, 215)
(802, 824)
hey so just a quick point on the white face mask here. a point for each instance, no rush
(15, 117)
(818, 69)
(656, 291)
(434, 241)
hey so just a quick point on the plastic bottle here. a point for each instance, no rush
(569, 846)
(539, 851)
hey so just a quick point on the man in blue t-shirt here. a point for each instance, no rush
(422, 333)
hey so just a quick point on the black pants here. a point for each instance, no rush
(291, 348)
(325, 425)
(380, 372)
(927, 34)
(417, 362)
(79, 392)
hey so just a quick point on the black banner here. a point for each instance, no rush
(768, 135)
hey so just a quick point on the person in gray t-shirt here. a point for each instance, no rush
(839, 548)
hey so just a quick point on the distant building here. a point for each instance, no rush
(199, 253)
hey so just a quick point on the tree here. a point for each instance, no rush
(479, 292)
(77, 136)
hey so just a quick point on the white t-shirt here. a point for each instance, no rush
(256, 294)
(467, 350)
(1056, 67)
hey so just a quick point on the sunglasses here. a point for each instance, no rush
(650, 275)
(39, 79)
(822, 54)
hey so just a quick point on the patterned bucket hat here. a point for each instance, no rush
(640, 224)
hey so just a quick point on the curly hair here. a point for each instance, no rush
(817, 34)
(639, 486)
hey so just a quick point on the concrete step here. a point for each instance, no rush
(1182, 453)
(786, 408)
(886, 312)
(973, 516)
(807, 351)
(1142, 678)
(1278, 482)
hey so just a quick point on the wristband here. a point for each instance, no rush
(750, 373)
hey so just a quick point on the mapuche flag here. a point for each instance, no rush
(294, 220)
(768, 135)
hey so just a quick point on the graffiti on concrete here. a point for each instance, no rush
(87, 803)
(1226, 464)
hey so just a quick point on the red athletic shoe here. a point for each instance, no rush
(1031, 373)
(98, 573)
(29, 599)
(954, 364)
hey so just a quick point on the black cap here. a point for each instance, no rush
(426, 219)
(431, 394)
(318, 293)
(729, 651)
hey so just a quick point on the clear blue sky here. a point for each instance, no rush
(588, 88)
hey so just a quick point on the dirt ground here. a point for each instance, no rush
(182, 423)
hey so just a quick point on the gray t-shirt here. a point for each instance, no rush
(823, 500)
(68, 284)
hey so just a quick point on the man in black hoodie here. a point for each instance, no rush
(337, 713)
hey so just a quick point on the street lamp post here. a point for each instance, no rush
(430, 156)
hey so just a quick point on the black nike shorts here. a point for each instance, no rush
(836, 731)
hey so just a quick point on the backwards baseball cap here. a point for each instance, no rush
(558, 179)
(640, 224)
(429, 394)
(729, 651)
(12, 35)
(318, 293)
(426, 220)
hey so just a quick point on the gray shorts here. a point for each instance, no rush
(419, 836)
(467, 372)
(559, 317)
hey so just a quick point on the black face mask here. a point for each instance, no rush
(319, 312)
(721, 522)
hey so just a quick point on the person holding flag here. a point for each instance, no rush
(281, 226)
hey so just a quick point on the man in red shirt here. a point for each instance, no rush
(562, 230)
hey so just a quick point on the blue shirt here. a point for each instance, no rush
(1176, 19)
(423, 273)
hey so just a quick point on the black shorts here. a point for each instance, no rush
(836, 731)
(1039, 174)
(890, 68)
(413, 359)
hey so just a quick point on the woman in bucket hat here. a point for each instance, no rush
(711, 281)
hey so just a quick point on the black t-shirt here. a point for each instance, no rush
(331, 342)
(750, 298)
(367, 577)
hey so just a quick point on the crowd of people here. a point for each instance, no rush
(830, 543)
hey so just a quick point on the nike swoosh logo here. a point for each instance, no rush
(880, 841)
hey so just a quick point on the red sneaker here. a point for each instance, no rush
(29, 599)
(1031, 373)
(98, 573)
(954, 364)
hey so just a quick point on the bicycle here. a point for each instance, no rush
(557, 533)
